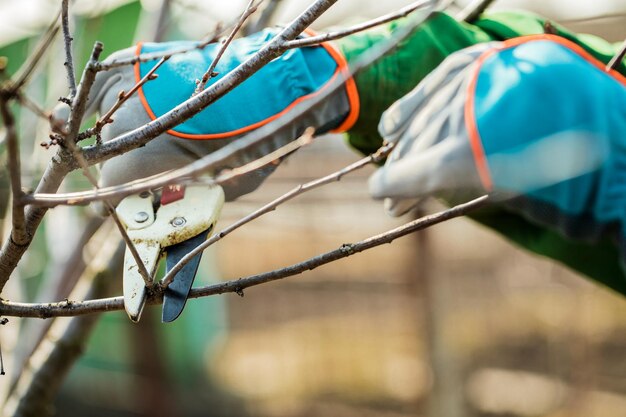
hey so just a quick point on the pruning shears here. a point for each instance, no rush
(172, 225)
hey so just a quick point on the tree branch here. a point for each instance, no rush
(263, 20)
(155, 56)
(67, 38)
(121, 99)
(618, 58)
(325, 37)
(59, 286)
(26, 70)
(473, 10)
(19, 234)
(75, 308)
(210, 73)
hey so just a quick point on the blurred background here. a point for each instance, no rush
(449, 322)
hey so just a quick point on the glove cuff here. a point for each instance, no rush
(296, 76)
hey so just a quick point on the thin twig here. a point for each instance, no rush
(69, 60)
(32, 106)
(210, 73)
(75, 308)
(325, 37)
(79, 104)
(617, 58)
(111, 210)
(162, 21)
(121, 99)
(155, 56)
(266, 16)
(19, 233)
(473, 10)
(26, 70)
(305, 139)
(271, 206)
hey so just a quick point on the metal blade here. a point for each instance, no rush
(176, 293)
(134, 286)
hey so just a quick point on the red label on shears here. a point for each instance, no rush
(172, 193)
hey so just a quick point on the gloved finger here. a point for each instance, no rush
(433, 91)
(396, 207)
(443, 167)
(441, 117)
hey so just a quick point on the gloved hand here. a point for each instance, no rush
(296, 76)
(535, 119)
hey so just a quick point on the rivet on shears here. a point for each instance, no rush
(141, 216)
(178, 221)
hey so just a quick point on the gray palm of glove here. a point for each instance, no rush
(432, 153)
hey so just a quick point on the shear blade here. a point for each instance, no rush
(176, 293)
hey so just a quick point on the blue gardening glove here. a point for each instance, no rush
(295, 76)
(535, 119)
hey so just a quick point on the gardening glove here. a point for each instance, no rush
(538, 121)
(294, 77)
(397, 73)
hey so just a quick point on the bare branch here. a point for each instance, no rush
(19, 233)
(32, 106)
(210, 73)
(155, 56)
(271, 206)
(403, 12)
(76, 115)
(69, 142)
(75, 308)
(618, 58)
(121, 99)
(69, 60)
(29, 66)
(162, 21)
(263, 20)
(79, 105)
(303, 140)
(11, 252)
(473, 10)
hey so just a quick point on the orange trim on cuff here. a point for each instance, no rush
(342, 69)
(470, 117)
(476, 143)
